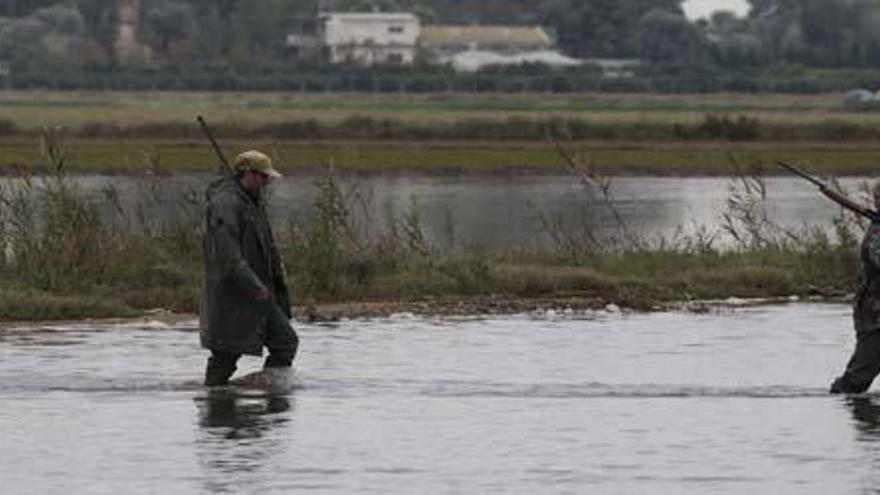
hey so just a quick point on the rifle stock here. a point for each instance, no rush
(833, 195)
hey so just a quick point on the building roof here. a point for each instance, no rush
(438, 36)
(370, 16)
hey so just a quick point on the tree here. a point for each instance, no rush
(49, 37)
(214, 27)
(830, 33)
(99, 17)
(868, 35)
(604, 28)
(22, 8)
(166, 21)
(827, 27)
(669, 39)
(733, 42)
(22, 44)
(63, 19)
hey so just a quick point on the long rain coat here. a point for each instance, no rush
(864, 364)
(240, 258)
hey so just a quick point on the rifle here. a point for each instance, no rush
(214, 144)
(833, 195)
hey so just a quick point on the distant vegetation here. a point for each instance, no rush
(802, 46)
(638, 133)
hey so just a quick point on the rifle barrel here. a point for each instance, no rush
(214, 144)
(800, 173)
(835, 196)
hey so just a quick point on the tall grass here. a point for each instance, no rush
(334, 255)
(68, 253)
(746, 254)
(52, 234)
(59, 240)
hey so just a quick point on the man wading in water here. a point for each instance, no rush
(864, 365)
(245, 304)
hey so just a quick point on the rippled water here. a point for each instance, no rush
(726, 402)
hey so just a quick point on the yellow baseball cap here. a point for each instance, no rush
(255, 161)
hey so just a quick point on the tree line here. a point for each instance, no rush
(49, 36)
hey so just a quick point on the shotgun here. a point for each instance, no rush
(833, 195)
(214, 144)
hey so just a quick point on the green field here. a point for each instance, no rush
(40, 108)
(619, 134)
(140, 155)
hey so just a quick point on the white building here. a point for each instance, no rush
(615, 68)
(370, 38)
(474, 60)
(471, 48)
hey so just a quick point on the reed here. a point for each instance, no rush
(68, 254)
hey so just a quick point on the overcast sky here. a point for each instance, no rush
(695, 9)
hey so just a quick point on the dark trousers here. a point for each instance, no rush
(864, 364)
(281, 340)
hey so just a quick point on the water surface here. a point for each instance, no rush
(499, 211)
(731, 401)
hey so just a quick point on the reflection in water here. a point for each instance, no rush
(241, 416)
(866, 420)
(240, 438)
(866, 413)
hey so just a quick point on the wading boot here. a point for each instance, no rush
(220, 367)
(843, 385)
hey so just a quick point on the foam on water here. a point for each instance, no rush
(271, 379)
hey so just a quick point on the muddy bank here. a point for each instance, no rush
(441, 306)
(500, 305)
(445, 306)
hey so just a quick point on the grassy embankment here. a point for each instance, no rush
(63, 258)
(70, 255)
(678, 134)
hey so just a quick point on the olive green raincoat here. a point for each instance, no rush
(864, 364)
(240, 258)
